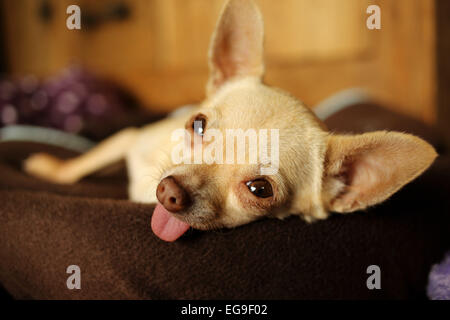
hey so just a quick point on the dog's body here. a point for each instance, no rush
(318, 172)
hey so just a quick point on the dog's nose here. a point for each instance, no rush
(171, 195)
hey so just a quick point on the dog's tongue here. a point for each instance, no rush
(166, 226)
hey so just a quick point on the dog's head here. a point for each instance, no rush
(289, 164)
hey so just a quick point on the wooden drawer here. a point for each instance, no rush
(159, 50)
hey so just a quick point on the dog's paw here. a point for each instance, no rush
(46, 167)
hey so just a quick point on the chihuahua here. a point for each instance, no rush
(318, 172)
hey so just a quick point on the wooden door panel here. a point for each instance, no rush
(322, 30)
(313, 48)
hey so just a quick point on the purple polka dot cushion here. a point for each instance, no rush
(74, 101)
(439, 280)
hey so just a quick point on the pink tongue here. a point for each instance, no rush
(166, 226)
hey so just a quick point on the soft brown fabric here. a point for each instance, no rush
(365, 117)
(45, 227)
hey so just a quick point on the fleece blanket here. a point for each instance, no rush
(45, 228)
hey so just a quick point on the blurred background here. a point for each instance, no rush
(154, 52)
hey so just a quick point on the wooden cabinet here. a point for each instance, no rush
(313, 47)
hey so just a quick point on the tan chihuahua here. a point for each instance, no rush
(317, 173)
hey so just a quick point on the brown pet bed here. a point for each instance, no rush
(44, 228)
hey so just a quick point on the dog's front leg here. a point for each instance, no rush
(111, 150)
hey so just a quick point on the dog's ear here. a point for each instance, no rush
(363, 170)
(236, 47)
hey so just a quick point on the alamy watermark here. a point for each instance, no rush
(374, 281)
(210, 147)
(74, 280)
(74, 20)
(374, 20)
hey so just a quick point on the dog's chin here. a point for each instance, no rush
(200, 223)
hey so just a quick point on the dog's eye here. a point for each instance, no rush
(199, 124)
(260, 188)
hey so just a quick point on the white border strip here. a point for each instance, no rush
(340, 101)
(49, 136)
